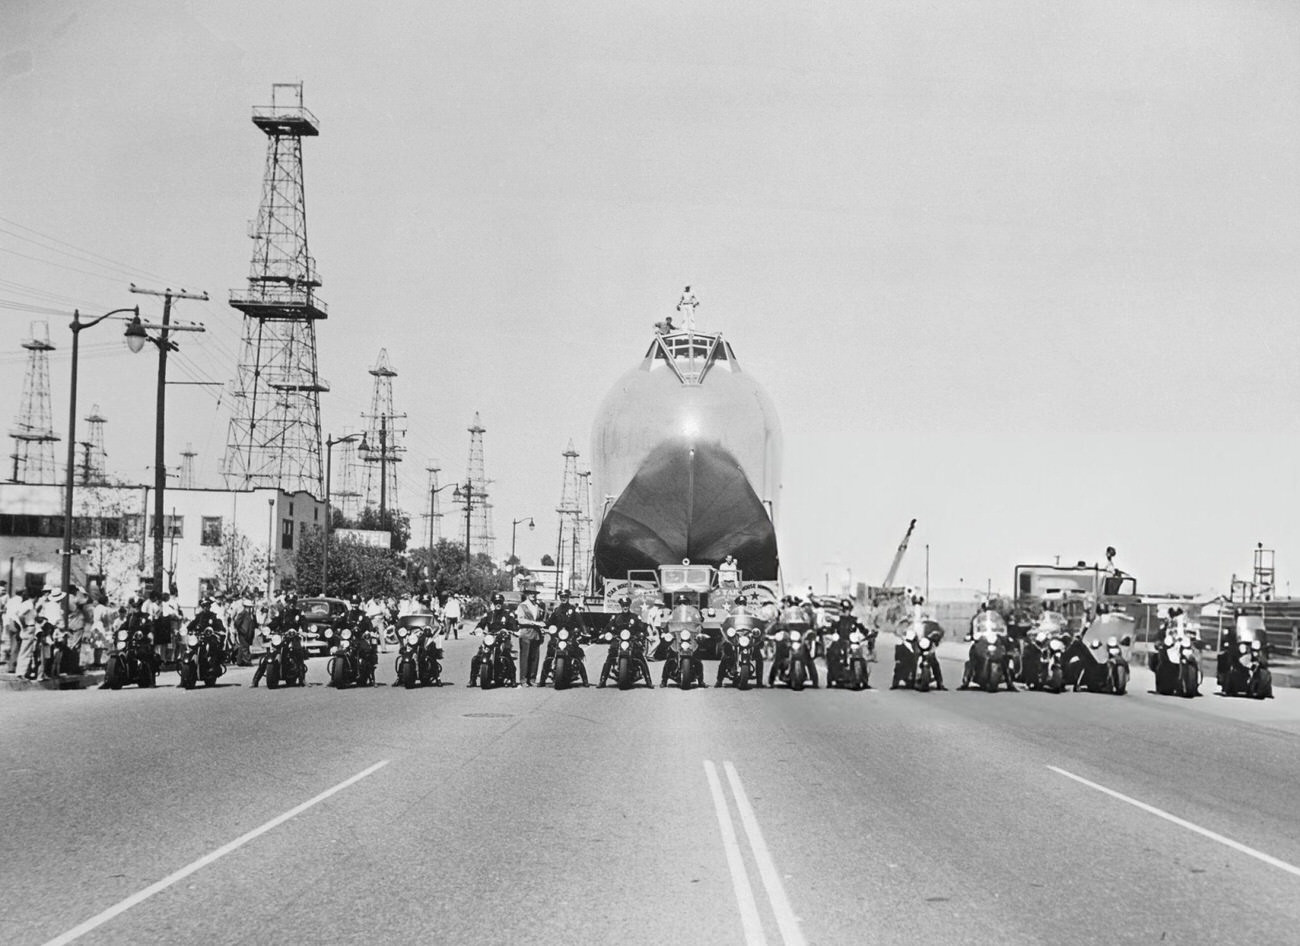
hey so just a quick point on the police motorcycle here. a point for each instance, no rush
(132, 660)
(741, 654)
(848, 656)
(792, 662)
(683, 633)
(988, 664)
(418, 654)
(912, 662)
(1096, 660)
(627, 637)
(354, 653)
(1175, 658)
(496, 668)
(1042, 664)
(284, 661)
(569, 668)
(1243, 660)
(204, 657)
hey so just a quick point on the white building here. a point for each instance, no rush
(213, 539)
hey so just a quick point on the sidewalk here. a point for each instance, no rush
(81, 681)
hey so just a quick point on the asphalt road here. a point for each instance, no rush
(597, 816)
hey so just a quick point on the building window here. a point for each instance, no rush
(132, 527)
(174, 527)
(286, 534)
(211, 531)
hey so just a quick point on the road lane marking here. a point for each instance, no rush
(1182, 823)
(785, 918)
(99, 919)
(739, 876)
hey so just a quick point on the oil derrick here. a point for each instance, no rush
(567, 546)
(433, 518)
(581, 560)
(33, 431)
(345, 496)
(381, 448)
(187, 466)
(275, 435)
(479, 510)
(94, 459)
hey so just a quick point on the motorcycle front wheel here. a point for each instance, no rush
(625, 673)
(685, 672)
(561, 673)
(742, 678)
(1120, 684)
(406, 674)
(273, 673)
(796, 673)
(115, 673)
(189, 676)
(858, 676)
(338, 672)
(1190, 683)
(147, 678)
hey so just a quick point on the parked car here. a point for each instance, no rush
(321, 614)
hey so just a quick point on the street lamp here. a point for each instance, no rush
(325, 553)
(513, 526)
(77, 327)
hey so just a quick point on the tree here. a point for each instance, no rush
(548, 561)
(237, 563)
(445, 571)
(355, 568)
(398, 524)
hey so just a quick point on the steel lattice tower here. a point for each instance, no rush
(346, 497)
(567, 546)
(33, 431)
(275, 435)
(187, 466)
(480, 515)
(94, 466)
(383, 450)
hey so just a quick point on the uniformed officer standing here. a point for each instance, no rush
(566, 617)
(625, 620)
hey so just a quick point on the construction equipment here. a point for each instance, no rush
(898, 557)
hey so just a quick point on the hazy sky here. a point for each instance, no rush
(1023, 271)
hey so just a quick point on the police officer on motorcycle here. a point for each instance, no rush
(792, 612)
(727, 651)
(492, 623)
(625, 620)
(839, 632)
(566, 617)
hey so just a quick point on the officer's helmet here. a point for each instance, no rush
(625, 602)
(356, 601)
(740, 600)
(498, 599)
(846, 604)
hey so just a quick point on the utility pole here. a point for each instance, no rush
(165, 344)
(383, 471)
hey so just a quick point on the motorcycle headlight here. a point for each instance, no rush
(1243, 647)
(564, 635)
(1112, 642)
(277, 640)
(1040, 637)
(121, 637)
(795, 637)
(923, 643)
(192, 639)
(685, 635)
(623, 645)
(1056, 646)
(562, 645)
(991, 637)
(856, 637)
(1169, 641)
(743, 641)
(625, 635)
(1113, 651)
(1255, 645)
(346, 634)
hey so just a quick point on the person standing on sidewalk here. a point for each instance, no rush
(529, 616)
(451, 615)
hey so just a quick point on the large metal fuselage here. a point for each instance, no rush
(686, 462)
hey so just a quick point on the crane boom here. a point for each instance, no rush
(898, 556)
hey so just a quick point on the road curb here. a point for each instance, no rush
(68, 681)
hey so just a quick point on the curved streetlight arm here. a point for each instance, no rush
(78, 325)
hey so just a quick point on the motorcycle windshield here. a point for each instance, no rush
(1105, 626)
(1251, 628)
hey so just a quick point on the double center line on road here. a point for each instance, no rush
(122, 906)
(786, 921)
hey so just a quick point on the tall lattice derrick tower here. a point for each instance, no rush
(94, 459)
(187, 466)
(275, 435)
(570, 512)
(345, 497)
(382, 449)
(480, 511)
(33, 431)
(582, 531)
